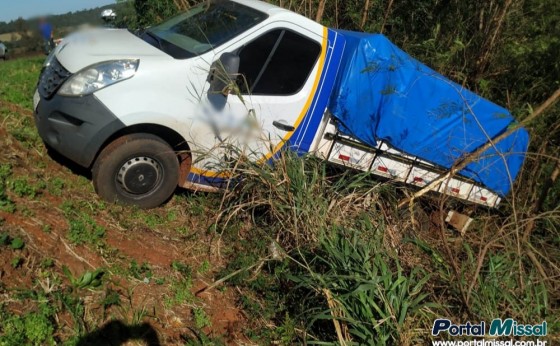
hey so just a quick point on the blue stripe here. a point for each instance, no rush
(208, 181)
(305, 134)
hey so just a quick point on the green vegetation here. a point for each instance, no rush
(17, 244)
(355, 272)
(375, 297)
(56, 186)
(310, 254)
(140, 271)
(83, 229)
(6, 203)
(181, 286)
(201, 320)
(32, 328)
(19, 79)
(21, 187)
(89, 280)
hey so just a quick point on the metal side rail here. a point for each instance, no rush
(387, 162)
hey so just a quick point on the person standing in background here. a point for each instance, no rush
(46, 31)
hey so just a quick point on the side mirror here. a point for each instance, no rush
(223, 73)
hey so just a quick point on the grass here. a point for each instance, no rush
(181, 286)
(360, 273)
(366, 291)
(6, 204)
(83, 228)
(310, 253)
(19, 79)
(201, 320)
(36, 327)
(22, 187)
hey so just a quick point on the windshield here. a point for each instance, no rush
(203, 28)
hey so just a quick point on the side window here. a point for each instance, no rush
(277, 63)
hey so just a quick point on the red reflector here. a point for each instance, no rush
(455, 190)
(383, 169)
(418, 180)
(344, 157)
(484, 199)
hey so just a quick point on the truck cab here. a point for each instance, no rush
(151, 111)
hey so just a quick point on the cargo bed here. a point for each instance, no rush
(389, 163)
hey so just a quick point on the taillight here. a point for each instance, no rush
(344, 157)
(383, 169)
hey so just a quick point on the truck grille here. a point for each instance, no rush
(52, 77)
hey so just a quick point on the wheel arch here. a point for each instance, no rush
(168, 135)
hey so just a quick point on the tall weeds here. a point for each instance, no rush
(368, 293)
(296, 199)
(361, 274)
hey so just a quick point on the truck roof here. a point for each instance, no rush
(275, 12)
(262, 6)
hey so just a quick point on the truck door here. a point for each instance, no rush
(280, 70)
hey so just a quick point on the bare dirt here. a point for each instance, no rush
(43, 226)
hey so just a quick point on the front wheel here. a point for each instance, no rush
(137, 169)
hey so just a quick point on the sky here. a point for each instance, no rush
(12, 9)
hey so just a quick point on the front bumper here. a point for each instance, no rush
(76, 127)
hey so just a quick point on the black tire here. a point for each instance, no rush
(138, 169)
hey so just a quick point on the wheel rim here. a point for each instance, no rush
(140, 175)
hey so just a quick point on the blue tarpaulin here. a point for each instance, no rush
(381, 93)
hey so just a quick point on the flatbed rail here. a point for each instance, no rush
(387, 162)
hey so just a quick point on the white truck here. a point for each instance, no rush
(3, 51)
(151, 111)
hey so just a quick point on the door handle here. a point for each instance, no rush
(283, 127)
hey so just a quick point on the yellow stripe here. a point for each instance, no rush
(225, 175)
(210, 174)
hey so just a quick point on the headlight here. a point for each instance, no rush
(98, 76)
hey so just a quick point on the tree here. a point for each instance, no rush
(150, 12)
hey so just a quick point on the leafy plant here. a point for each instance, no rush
(201, 319)
(297, 198)
(181, 287)
(25, 133)
(204, 267)
(88, 280)
(21, 188)
(4, 238)
(180, 292)
(83, 229)
(112, 298)
(56, 186)
(140, 271)
(6, 203)
(14, 243)
(32, 328)
(17, 244)
(372, 296)
(16, 262)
